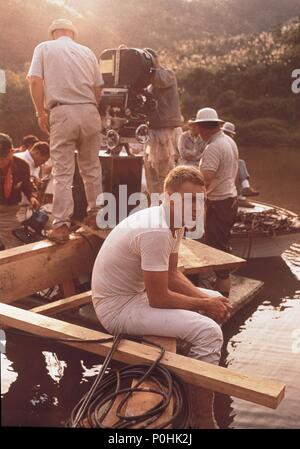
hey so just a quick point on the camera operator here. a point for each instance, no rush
(160, 152)
(14, 180)
(65, 79)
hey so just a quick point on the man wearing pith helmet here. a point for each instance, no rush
(219, 165)
(65, 84)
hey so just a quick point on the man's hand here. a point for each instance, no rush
(218, 308)
(43, 123)
(34, 203)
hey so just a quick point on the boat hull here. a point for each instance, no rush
(259, 247)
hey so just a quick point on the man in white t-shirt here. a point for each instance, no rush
(138, 290)
(37, 156)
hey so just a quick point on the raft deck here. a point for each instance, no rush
(31, 268)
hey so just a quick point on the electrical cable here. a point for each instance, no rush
(93, 408)
(95, 405)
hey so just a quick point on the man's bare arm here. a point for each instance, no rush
(208, 175)
(98, 91)
(38, 98)
(160, 296)
(37, 93)
(179, 283)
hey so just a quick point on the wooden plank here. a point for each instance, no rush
(64, 304)
(243, 290)
(35, 267)
(195, 257)
(261, 391)
(139, 402)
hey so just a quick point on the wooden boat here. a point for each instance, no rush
(264, 231)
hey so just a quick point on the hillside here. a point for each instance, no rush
(161, 24)
(246, 76)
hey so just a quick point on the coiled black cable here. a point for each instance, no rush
(95, 405)
(93, 408)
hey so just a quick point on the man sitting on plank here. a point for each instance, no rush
(137, 288)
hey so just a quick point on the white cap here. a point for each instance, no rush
(229, 127)
(62, 24)
(207, 115)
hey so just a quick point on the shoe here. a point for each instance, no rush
(245, 203)
(59, 235)
(249, 191)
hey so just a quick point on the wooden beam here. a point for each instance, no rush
(64, 304)
(35, 267)
(139, 402)
(242, 291)
(31, 268)
(195, 257)
(261, 391)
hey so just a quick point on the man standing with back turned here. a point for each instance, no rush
(65, 85)
(219, 165)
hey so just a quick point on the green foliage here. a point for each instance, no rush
(225, 53)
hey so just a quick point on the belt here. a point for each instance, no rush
(67, 104)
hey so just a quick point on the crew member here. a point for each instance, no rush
(37, 156)
(160, 152)
(191, 146)
(14, 180)
(137, 288)
(219, 165)
(27, 143)
(65, 80)
(243, 179)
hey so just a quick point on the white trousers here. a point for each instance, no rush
(134, 316)
(74, 127)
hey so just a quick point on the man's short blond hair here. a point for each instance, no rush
(181, 174)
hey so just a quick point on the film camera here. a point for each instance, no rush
(31, 230)
(125, 103)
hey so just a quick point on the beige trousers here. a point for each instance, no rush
(159, 159)
(74, 127)
(199, 336)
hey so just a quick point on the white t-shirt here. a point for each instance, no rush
(70, 71)
(142, 241)
(221, 156)
(26, 156)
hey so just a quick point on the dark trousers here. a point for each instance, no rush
(220, 218)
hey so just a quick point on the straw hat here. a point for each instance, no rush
(206, 115)
(62, 24)
(229, 127)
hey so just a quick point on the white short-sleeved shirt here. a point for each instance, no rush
(70, 71)
(221, 156)
(142, 241)
(26, 156)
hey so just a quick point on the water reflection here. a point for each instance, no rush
(265, 341)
